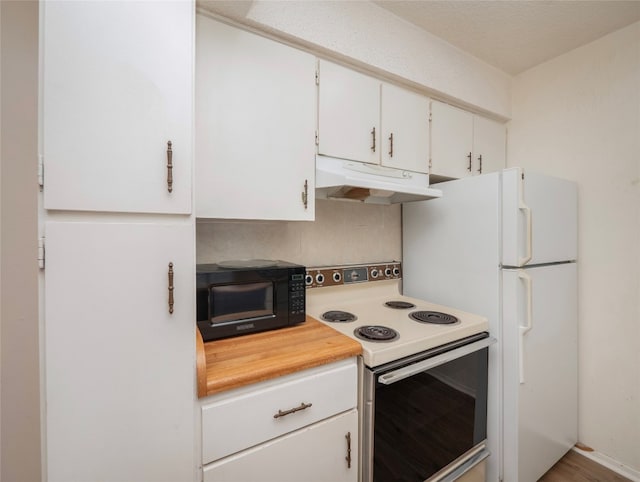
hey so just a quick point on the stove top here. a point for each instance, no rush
(390, 332)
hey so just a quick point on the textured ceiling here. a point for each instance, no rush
(515, 35)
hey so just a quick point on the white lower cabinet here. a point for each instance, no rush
(119, 361)
(300, 427)
(317, 453)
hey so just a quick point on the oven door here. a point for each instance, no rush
(425, 416)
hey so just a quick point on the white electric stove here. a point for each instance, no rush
(424, 386)
(349, 298)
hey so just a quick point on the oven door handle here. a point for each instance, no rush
(419, 367)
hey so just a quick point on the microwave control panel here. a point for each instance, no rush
(297, 293)
(343, 275)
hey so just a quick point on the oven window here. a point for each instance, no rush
(240, 302)
(426, 421)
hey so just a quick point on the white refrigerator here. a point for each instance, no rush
(504, 245)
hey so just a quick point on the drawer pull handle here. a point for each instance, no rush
(282, 413)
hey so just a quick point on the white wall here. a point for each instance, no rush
(365, 35)
(19, 366)
(578, 117)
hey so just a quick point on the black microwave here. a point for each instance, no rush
(248, 296)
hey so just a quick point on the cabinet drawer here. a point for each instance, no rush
(246, 417)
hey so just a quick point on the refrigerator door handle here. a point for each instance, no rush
(525, 329)
(527, 213)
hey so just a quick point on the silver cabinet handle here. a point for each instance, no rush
(169, 167)
(373, 134)
(284, 413)
(305, 194)
(348, 457)
(469, 167)
(170, 275)
(406, 372)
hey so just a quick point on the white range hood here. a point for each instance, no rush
(370, 183)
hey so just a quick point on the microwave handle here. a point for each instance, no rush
(415, 368)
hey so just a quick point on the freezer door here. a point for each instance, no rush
(539, 218)
(540, 368)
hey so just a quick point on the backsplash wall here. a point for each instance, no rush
(343, 233)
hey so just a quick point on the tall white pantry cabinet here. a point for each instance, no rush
(118, 338)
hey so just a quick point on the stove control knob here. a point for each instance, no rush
(396, 271)
(375, 273)
(337, 277)
(308, 279)
(319, 278)
(387, 271)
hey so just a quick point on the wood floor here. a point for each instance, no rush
(574, 467)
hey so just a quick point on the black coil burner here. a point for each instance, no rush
(336, 316)
(375, 333)
(399, 305)
(435, 317)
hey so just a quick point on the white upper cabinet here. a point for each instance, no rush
(405, 129)
(363, 119)
(451, 141)
(117, 87)
(489, 145)
(348, 114)
(464, 144)
(255, 126)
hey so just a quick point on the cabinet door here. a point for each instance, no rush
(318, 453)
(120, 368)
(451, 141)
(255, 123)
(405, 129)
(489, 145)
(117, 86)
(348, 114)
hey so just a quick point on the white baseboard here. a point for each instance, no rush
(612, 464)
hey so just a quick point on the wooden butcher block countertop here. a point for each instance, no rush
(234, 362)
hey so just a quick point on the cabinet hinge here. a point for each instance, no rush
(41, 253)
(317, 139)
(41, 170)
(317, 77)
